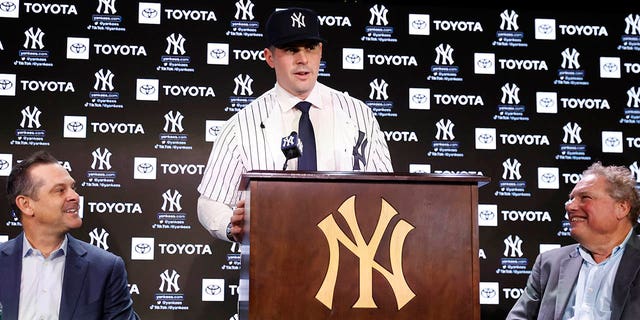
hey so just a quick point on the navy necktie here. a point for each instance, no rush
(307, 160)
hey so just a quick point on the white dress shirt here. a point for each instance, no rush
(41, 282)
(321, 114)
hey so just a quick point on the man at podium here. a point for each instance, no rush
(299, 119)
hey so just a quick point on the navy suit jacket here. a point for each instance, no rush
(555, 273)
(94, 285)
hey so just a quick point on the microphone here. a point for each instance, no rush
(291, 146)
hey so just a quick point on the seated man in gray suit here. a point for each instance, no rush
(45, 273)
(598, 278)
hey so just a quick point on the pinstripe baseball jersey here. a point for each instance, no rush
(250, 140)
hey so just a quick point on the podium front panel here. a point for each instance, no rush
(343, 249)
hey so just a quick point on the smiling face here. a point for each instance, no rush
(594, 215)
(53, 206)
(296, 66)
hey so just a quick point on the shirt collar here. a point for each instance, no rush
(288, 101)
(28, 249)
(624, 242)
(616, 250)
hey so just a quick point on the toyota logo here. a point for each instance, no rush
(149, 13)
(217, 53)
(145, 168)
(142, 248)
(147, 89)
(75, 126)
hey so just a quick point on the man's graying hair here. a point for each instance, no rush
(621, 185)
(20, 182)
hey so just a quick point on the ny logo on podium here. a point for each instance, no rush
(366, 253)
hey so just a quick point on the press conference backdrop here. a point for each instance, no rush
(131, 95)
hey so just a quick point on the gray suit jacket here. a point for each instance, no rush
(94, 284)
(554, 276)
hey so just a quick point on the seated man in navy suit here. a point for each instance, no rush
(45, 273)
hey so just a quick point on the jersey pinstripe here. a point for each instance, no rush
(242, 145)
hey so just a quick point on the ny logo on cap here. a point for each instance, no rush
(297, 20)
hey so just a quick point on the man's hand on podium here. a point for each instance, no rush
(235, 231)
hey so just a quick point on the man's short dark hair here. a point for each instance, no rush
(20, 182)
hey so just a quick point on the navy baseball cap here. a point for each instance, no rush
(292, 24)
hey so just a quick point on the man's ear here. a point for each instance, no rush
(24, 204)
(268, 57)
(622, 209)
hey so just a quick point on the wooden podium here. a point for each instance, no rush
(345, 245)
